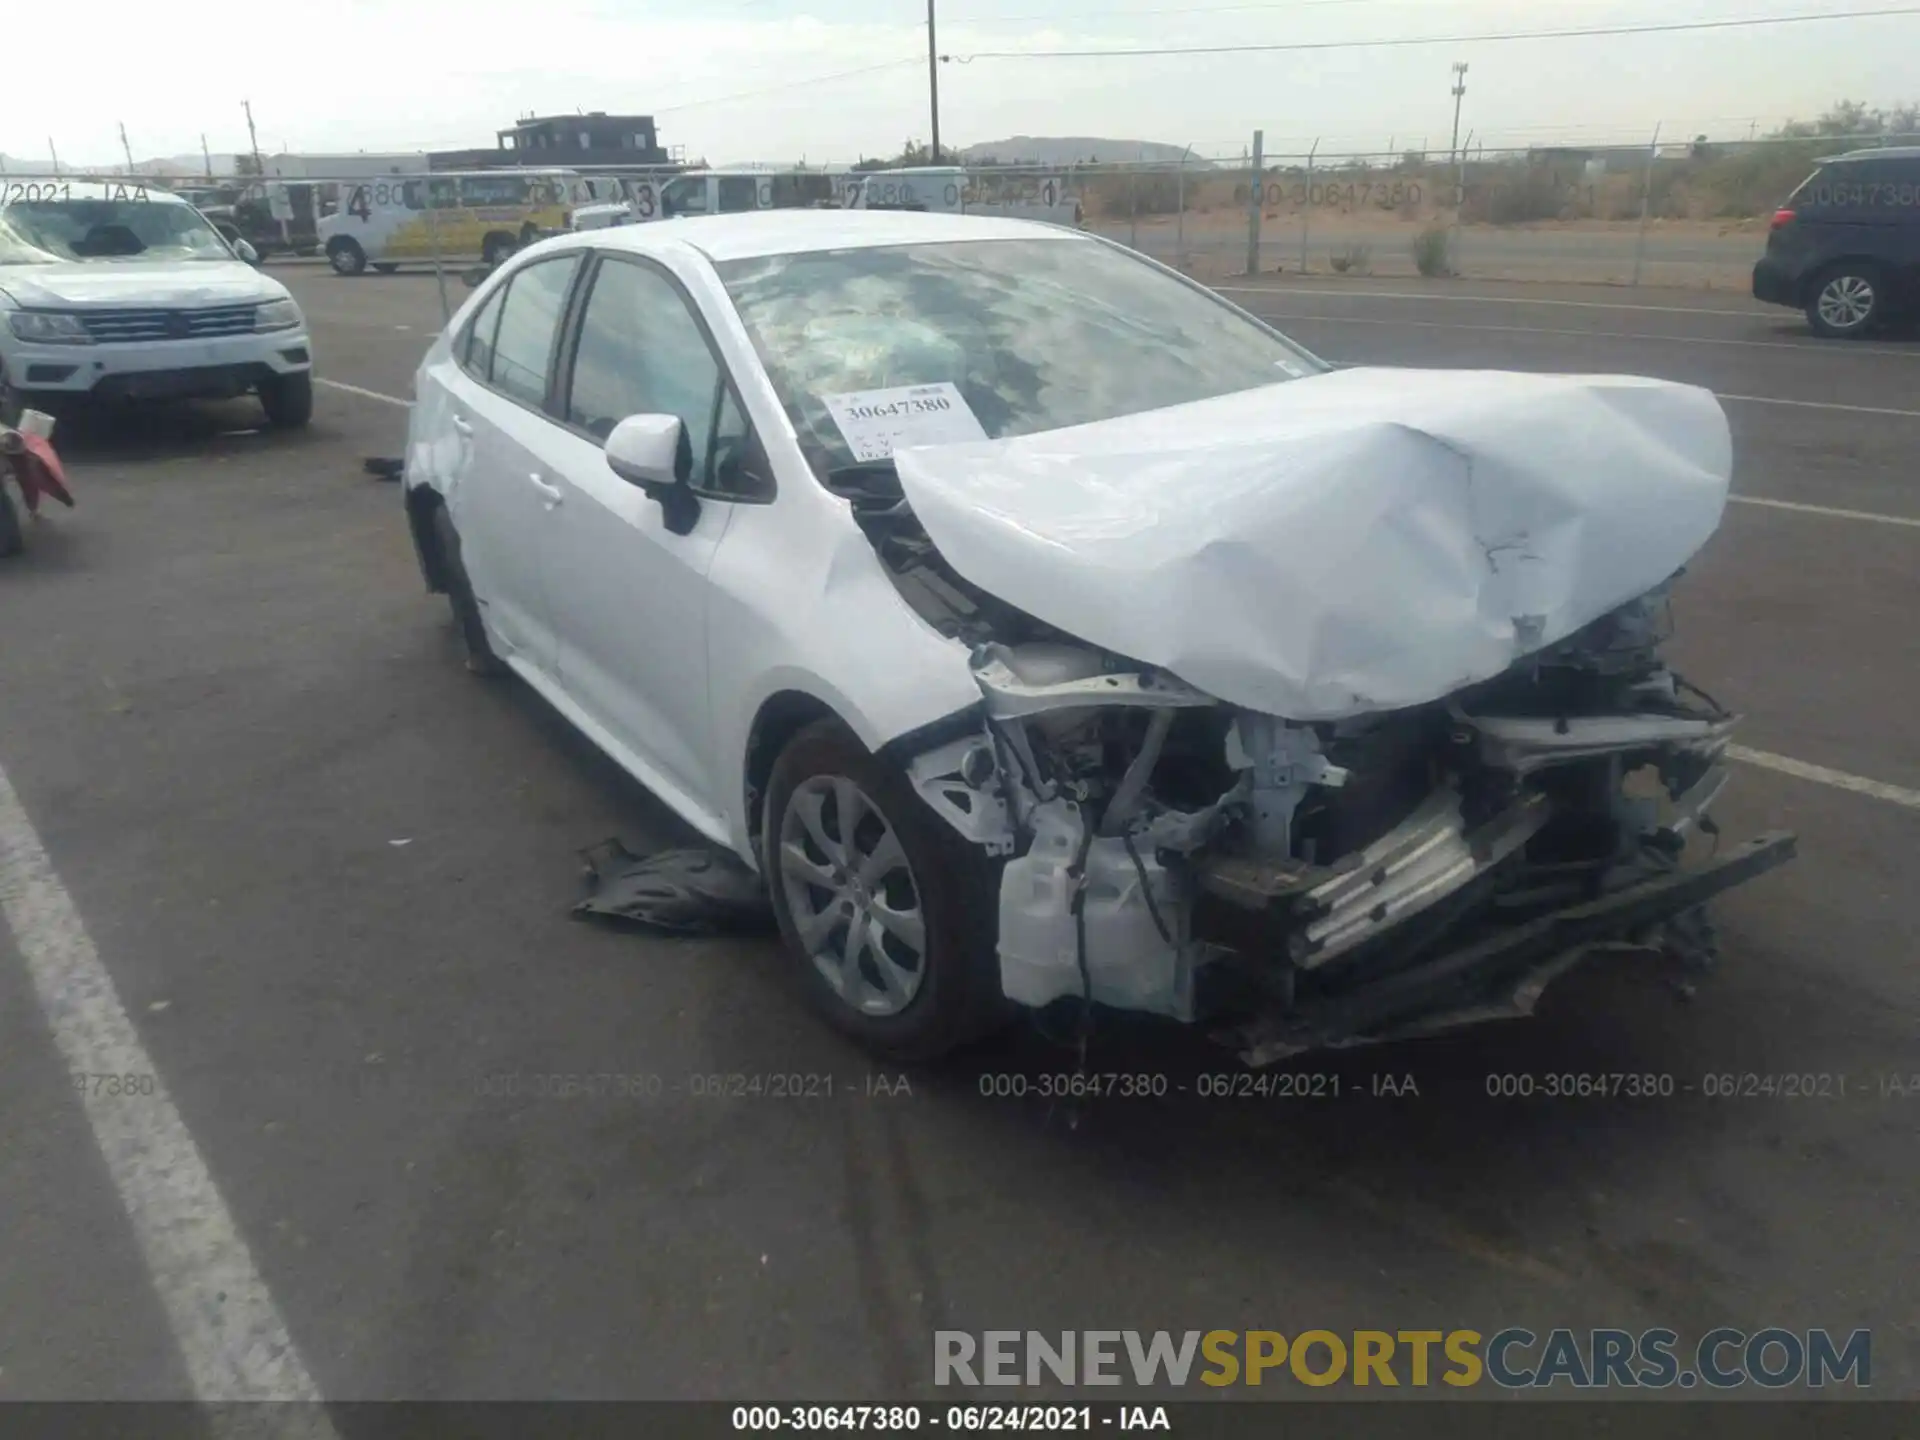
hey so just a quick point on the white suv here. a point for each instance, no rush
(114, 290)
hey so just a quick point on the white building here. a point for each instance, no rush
(357, 165)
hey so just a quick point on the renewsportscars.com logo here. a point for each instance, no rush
(1514, 1358)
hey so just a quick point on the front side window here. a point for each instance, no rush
(737, 193)
(1034, 335)
(641, 352)
(684, 197)
(529, 320)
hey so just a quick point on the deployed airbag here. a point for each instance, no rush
(1355, 541)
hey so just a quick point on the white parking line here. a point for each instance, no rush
(1827, 510)
(1821, 775)
(230, 1334)
(361, 391)
(1775, 345)
(1747, 314)
(1819, 405)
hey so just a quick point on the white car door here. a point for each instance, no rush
(505, 509)
(629, 596)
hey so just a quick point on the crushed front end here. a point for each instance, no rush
(1297, 886)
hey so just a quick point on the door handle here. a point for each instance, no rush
(553, 494)
(462, 424)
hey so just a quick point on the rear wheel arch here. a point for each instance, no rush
(1816, 275)
(422, 503)
(1875, 271)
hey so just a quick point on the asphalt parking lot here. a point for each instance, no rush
(328, 874)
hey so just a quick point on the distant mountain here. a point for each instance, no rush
(173, 167)
(1074, 149)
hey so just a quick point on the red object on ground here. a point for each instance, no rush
(39, 472)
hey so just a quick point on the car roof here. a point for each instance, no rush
(1875, 152)
(104, 189)
(788, 232)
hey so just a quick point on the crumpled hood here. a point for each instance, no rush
(182, 284)
(1357, 541)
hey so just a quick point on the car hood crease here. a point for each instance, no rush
(1357, 541)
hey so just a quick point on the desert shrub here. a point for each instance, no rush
(1433, 252)
(1352, 260)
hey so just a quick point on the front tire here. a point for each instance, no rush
(287, 399)
(346, 256)
(890, 916)
(481, 659)
(1848, 301)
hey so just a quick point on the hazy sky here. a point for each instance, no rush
(738, 80)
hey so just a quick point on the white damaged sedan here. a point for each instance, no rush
(1045, 629)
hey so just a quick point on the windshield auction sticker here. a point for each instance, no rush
(877, 422)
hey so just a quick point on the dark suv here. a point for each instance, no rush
(1846, 246)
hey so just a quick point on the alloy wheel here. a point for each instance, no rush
(1846, 301)
(852, 895)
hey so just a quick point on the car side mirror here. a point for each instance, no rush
(653, 453)
(247, 253)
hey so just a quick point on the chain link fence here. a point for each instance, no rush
(1693, 214)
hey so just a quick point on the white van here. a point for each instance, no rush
(729, 192)
(938, 189)
(459, 217)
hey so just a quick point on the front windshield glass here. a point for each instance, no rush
(47, 231)
(1033, 334)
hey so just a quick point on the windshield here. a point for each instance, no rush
(47, 231)
(1033, 334)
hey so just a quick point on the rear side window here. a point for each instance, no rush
(529, 320)
(476, 352)
(1869, 187)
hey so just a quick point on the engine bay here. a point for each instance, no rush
(1167, 852)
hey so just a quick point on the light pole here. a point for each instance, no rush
(933, 81)
(1459, 173)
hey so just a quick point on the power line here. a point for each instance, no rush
(1174, 10)
(789, 85)
(1584, 33)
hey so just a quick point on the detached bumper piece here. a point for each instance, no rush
(1503, 974)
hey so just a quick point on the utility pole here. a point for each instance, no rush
(125, 148)
(1257, 197)
(933, 81)
(1459, 174)
(206, 154)
(56, 157)
(252, 138)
